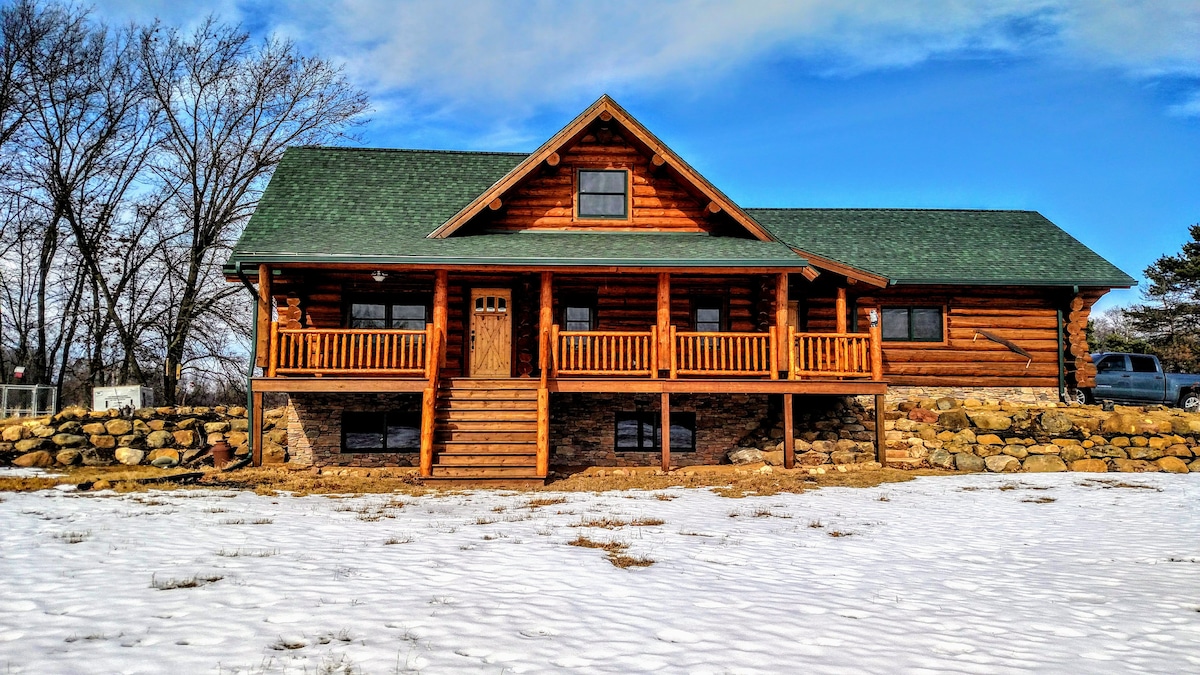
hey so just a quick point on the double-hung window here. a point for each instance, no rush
(603, 194)
(396, 316)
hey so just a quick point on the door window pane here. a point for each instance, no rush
(1143, 364)
(1112, 363)
(365, 315)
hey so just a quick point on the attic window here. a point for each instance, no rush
(603, 194)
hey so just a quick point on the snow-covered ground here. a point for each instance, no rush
(946, 574)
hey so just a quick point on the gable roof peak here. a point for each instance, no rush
(606, 109)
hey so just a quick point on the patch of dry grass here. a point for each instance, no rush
(188, 582)
(606, 522)
(545, 501)
(626, 561)
(1039, 500)
(609, 546)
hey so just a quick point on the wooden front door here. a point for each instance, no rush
(491, 332)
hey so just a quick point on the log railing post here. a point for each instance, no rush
(545, 322)
(877, 350)
(654, 339)
(543, 432)
(273, 349)
(441, 293)
(840, 308)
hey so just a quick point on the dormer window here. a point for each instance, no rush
(603, 194)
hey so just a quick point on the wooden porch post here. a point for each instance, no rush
(264, 316)
(880, 433)
(256, 404)
(789, 434)
(441, 295)
(666, 431)
(665, 342)
(545, 324)
(877, 346)
(841, 309)
(781, 320)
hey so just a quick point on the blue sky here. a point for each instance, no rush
(1088, 112)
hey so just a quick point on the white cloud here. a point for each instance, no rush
(518, 56)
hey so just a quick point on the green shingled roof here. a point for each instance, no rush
(342, 204)
(928, 246)
(366, 205)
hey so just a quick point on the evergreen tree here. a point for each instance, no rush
(1169, 316)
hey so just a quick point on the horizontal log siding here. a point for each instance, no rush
(1025, 316)
(547, 200)
(631, 302)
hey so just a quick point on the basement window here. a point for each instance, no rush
(912, 324)
(391, 431)
(642, 432)
(603, 194)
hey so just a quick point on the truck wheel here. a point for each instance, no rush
(1082, 396)
(1190, 402)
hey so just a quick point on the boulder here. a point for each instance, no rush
(103, 441)
(1055, 423)
(273, 453)
(965, 461)
(236, 437)
(165, 462)
(1108, 451)
(773, 457)
(989, 439)
(216, 427)
(93, 428)
(141, 427)
(15, 432)
(156, 425)
(93, 457)
(134, 440)
(1172, 465)
(923, 415)
(239, 425)
(185, 438)
(810, 458)
(37, 458)
(1145, 452)
(945, 403)
(1120, 423)
(1134, 466)
(236, 411)
(159, 439)
(1178, 450)
(186, 423)
(1120, 441)
(68, 440)
(1018, 451)
(130, 456)
(954, 420)
(173, 455)
(1073, 454)
(189, 455)
(843, 457)
(1194, 467)
(941, 459)
(735, 456)
(213, 439)
(145, 413)
(71, 427)
(68, 457)
(988, 450)
(1044, 464)
(1090, 465)
(29, 444)
(41, 431)
(1002, 463)
(118, 427)
(991, 421)
(1048, 449)
(244, 449)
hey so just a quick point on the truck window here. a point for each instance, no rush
(1112, 363)
(1143, 364)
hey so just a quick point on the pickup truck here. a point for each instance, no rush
(1140, 378)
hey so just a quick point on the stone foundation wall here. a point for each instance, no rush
(314, 429)
(1028, 395)
(583, 426)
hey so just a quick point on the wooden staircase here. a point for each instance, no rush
(485, 431)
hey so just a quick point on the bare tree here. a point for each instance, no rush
(232, 107)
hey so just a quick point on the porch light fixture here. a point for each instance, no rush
(379, 275)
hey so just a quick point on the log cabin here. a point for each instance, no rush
(484, 316)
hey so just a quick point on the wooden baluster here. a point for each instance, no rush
(673, 356)
(272, 351)
(791, 352)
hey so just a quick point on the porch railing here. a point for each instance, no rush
(833, 355)
(595, 352)
(728, 354)
(342, 351)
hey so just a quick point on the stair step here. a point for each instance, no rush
(493, 384)
(477, 471)
(484, 436)
(487, 404)
(488, 415)
(487, 482)
(484, 459)
(485, 425)
(518, 447)
(487, 394)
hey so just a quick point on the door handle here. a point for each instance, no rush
(1126, 376)
(472, 340)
